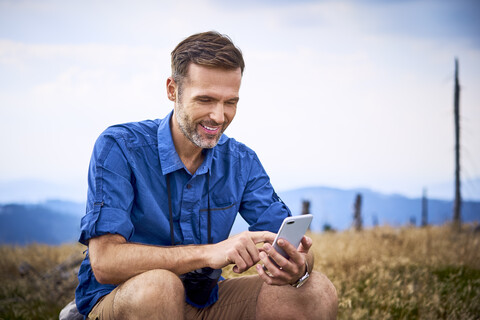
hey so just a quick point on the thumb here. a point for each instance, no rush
(305, 244)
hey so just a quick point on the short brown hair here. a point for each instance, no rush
(210, 49)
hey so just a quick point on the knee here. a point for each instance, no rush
(156, 283)
(316, 299)
(149, 291)
(323, 296)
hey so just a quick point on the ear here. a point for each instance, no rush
(171, 89)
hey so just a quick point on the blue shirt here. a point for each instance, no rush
(127, 194)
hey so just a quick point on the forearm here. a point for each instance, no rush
(114, 260)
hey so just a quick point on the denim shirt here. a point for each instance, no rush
(127, 195)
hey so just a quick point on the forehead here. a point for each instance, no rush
(214, 81)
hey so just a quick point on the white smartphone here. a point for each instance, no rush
(292, 230)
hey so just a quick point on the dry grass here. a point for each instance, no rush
(37, 280)
(407, 273)
(382, 273)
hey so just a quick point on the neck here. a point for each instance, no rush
(190, 154)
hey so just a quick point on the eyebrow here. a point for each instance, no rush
(235, 99)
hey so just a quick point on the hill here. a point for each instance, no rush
(335, 207)
(52, 222)
(56, 222)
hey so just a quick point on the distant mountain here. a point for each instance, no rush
(56, 221)
(335, 207)
(470, 189)
(52, 222)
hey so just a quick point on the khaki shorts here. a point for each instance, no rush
(237, 300)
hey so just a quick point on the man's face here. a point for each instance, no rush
(207, 104)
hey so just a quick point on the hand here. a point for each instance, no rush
(284, 271)
(240, 250)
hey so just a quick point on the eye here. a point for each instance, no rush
(231, 102)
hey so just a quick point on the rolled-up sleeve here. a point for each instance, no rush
(261, 207)
(110, 191)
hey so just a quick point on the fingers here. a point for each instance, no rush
(305, 244)
(281, 270)
(274, 278)
(262, 236)
(290, 264)
(247, 257)
(236, 258)
(295, 256)
(243, 251)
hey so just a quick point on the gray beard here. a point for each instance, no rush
(189, 130)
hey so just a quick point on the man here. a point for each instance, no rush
(162, 198)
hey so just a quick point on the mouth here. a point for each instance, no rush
(210, 129)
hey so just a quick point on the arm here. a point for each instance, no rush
(114, 260)
(263, 210)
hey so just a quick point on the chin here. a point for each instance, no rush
(207, 143)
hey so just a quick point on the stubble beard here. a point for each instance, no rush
(190, 131)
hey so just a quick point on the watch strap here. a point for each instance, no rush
(303, 279)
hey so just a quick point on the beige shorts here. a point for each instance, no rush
(237, 300)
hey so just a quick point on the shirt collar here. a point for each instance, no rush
(169, 158)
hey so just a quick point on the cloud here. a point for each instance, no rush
(352, 96)
(74, 92)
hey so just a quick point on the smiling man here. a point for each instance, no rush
(162, 199)
(206, 103)
(211, 95)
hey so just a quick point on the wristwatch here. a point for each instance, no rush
(303, 279)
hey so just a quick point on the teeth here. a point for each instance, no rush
(208, 128)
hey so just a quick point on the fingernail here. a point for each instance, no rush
(267, 246)
(263, 255)
(281, 242)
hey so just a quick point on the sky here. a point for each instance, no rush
(335, 93)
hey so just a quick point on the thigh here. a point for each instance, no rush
(237, 300)
(155, 294)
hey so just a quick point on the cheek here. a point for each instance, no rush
(230, 114)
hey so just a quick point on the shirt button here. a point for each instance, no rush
(189, 186)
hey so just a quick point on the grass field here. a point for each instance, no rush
(381, 273)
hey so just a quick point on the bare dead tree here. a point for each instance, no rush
(458, 198)
(357, 212)
(306, 208)
(424, 208)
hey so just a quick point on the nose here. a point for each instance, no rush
(218, 113)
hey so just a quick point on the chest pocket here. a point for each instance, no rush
(222, 214)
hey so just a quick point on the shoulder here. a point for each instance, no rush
(133, 133)
(232, 148)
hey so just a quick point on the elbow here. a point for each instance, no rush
(100, 271)
(103, 252)
(102, 277)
